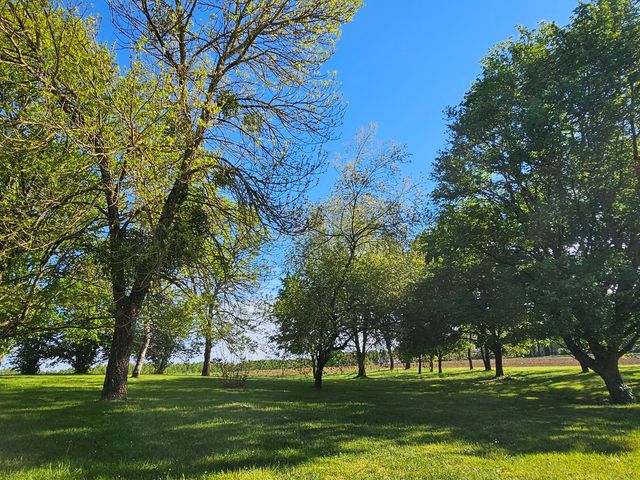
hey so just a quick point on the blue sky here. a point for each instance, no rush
(402, 62)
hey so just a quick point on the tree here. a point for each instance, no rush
(80, 349)
(30, 353)
(547, 137)
(428, 324)
(319, 309)
(222, 100)
(378, 287)
(220, 284)
(306, 311)
(171, 322)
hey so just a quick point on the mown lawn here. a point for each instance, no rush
(540, 423)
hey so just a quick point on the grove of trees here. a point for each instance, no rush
(138, 197)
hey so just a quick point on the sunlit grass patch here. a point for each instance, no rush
(542, 423)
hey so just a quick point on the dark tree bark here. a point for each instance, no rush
(469, 358)
(319, 361)
(420, 364)
(584, 367)
(361, 353)
(486, 358)
(206, 361)
(619, 391)
(142, 353)
(407, 365)
(115, 380)
(496, 348)
(439, 363)
(362, 369)
(605, 364)
(431, 363)
(387, 340)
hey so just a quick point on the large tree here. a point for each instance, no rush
(222, 100)
(547, 136)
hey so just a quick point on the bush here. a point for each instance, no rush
(234, 375)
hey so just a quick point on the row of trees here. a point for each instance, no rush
(536, 233)
(135, 198)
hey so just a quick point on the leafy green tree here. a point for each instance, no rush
(81, 349)
(320, 309)
(222, 100)
(172, 321)
(306, 311)
(547, 138)
(30, 353)
(428, 325)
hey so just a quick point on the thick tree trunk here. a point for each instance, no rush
(605, 364)
(420, 365)
(584, 367)
(317, 376)
(439, 364)
(496, 348)
(142, 353)
(115, 380)
(206, 361)
(486, 359)
(362, 369)
(431, 363)
(318, 369)
(619, 391)
(361, 353)
(470, 359)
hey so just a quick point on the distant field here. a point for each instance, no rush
(550, 361)
(539, 423)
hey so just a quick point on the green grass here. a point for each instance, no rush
(539, 423)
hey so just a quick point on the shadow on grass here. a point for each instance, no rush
(190, 425)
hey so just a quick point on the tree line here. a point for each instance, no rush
(137, 196)
(536, 228)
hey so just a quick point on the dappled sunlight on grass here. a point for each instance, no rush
(393, 425)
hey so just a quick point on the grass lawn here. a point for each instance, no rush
(546, 423)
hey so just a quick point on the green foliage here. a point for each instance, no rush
(544, 160)
(336, 292)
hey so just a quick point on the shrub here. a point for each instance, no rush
(234, 375)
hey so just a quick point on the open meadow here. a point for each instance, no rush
(535, 423)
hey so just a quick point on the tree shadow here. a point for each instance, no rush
(191, 426)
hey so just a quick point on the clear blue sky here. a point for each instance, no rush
(402, 62)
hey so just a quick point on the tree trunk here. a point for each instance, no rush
(469, 358)
(584, 367)
(115, 380)
(362, 370)
(439, 364)
(361, 353)
(142, 353)
(420, 365)
(321, 361)
(206, 361)
(317, 376)
(619, 391)
(486, 359)
(431, 363)
(389, 352)
(407, 365)
(605, 364)
(496, 348)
